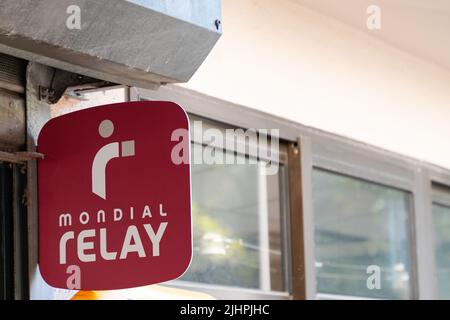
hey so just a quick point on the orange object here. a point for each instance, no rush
(153, 292)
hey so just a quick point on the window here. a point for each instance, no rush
(238, 223)
(441, 220)
(360, 224)
(241, 236)
(359, 206)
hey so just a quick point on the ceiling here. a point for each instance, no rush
(421, 27)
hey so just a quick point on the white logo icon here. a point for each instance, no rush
(105, 154)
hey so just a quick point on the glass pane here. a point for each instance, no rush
(236, 226)
(360, 224)
(441, 215)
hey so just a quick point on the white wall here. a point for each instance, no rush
(284, 59)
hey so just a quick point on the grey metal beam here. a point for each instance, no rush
(139, 43)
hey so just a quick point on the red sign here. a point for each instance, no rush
(114, 207)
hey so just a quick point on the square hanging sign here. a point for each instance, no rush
(115, 196)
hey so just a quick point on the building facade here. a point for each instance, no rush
(359, 205)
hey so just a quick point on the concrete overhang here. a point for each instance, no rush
(138, 42)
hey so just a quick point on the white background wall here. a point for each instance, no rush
(284, 59)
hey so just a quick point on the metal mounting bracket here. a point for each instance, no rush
(20, 157)
(61, 80)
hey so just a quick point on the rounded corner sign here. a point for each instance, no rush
(115, 196)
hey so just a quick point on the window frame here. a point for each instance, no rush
(341, 155)
(441, 199)
(221, 123)
(282, 156)
(362, 161)
(439, 178)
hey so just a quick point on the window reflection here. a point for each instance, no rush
(236, 226)
(359, 224)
